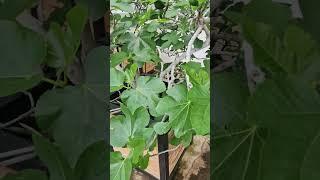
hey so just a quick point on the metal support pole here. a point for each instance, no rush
(163, 145)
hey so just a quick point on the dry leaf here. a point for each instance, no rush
(195, 160)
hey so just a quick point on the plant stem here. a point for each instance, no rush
(18, 159)
(166, 9)
(16, 152)
(166, 151)
(55, 83)
(16, 119)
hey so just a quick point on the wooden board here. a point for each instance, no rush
(153, 167)
(148, 67)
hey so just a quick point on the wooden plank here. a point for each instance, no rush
(148, 67)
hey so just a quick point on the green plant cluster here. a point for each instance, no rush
(148, 106)
(273, 132)
(71, 118)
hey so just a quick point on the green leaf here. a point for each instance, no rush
(96, 74)
(185, 139)
(95, 66)
(93, 164)
(161, 127)
(197, 75)
(144, 162)
(142, 48)
(302, 57)
(266, 45)
(230, 98)
(172, 12)
(284, 104)
(153, 26)
(46, 114)
(312, 72)
(118, 58)
(59, 168)
(136, 146)
(237, 144)
(309, 11)
(10, 9)
(290, 104)
(274, 50)
(27, 175)
(194, 2)
(13, 85)
(120, 169)
(63, 45)
(200, 109)
(122, 128)
(309, 170)
(170, 38)
(238, 152)
(118, 137)
(87, 127)
(130, 73)
(277, 151)
(281, 55)
(89, 98)
(198, 43)
(283, 157)
(96, 9)
(116, 79)
(146, 94)
(22, 52)
(77, 19)
(258, 10)
(58, 50)
(124, 6)
(144, 56)
(186, 109)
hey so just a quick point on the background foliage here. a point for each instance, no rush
(271, 131)
(71, 116)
